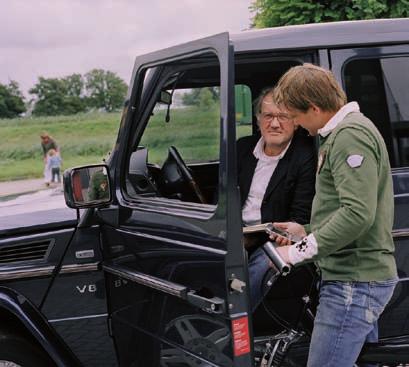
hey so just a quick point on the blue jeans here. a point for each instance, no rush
(346, 318)
(259, 269)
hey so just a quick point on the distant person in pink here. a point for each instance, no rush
(47, 143)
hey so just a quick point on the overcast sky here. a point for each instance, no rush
(55, 38)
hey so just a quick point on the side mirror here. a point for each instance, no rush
(165, 97)
(87, 187)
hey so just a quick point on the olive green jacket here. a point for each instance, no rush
(352, 212)
(51, 144)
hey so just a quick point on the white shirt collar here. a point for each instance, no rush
(258, 152)
(337, 118)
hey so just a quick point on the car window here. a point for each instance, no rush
(244, 110)
(176, 152)
(193, 126)
(401, 191)
(380, 86)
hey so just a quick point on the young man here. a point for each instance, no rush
(276, 178)
(349, 235)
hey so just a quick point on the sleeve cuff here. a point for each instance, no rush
(303, 250)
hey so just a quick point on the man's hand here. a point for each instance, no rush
(292, 228)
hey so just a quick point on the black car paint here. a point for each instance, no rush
(21, 309)
(63, 289)
(76, 307)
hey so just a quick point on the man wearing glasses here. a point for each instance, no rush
(276, 176)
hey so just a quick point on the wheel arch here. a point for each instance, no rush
(18, 316)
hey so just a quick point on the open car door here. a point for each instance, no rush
(175, 267)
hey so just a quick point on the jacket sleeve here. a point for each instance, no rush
(357, 189)
(304, 191)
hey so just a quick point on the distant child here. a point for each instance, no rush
(54, 165)
(47, 143)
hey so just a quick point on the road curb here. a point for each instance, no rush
(11, 189)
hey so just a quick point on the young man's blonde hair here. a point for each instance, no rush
(306, 85)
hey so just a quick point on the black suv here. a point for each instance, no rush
(152, 270)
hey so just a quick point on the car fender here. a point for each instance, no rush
(35, 324)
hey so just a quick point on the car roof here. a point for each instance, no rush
(323, 35)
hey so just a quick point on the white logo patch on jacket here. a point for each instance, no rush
(355, 160)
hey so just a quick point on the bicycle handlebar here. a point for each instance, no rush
(276, 259)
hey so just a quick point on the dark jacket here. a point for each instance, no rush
(291, 188)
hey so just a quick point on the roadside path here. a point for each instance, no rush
(10, 188)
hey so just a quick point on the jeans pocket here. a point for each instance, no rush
(380, 293)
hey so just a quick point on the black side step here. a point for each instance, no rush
(388, 350)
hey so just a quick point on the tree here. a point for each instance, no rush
(195, 96)
(75, 100)
(206, 100)
(11, 100)
(75, 93)
(105, 89)
(59, 96)
(273, 13)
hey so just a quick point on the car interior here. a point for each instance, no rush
(181, 173)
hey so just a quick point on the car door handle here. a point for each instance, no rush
(211, 305)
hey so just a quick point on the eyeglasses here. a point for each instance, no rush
(282, 118)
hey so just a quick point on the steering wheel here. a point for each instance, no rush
(186, 174)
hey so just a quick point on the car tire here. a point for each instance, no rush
(19, 351)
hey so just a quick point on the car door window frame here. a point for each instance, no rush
(174, 206)
(340, 58)
(136, 115)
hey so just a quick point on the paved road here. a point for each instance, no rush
(29, 196)
(12, 188)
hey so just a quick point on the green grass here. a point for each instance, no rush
(83, 138)
(87, 138)
(195, 134)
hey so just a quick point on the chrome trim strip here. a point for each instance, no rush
(78, 268)
(400, 233)
(174, 242)
(8, 272)
(25, 272)
(175, 204)
(147, 280)
(79, 318)
(401, 195)
(139, 205)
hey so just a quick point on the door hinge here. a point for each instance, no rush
(236, 285)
